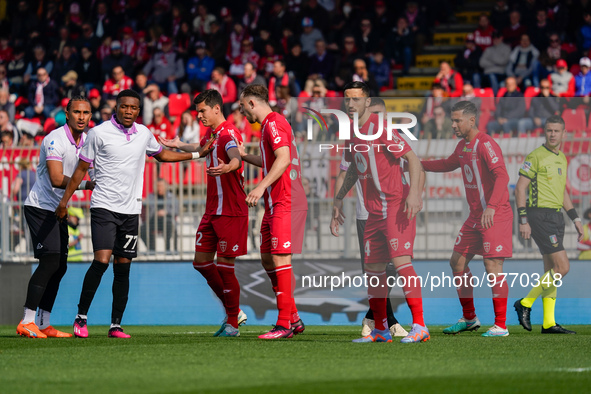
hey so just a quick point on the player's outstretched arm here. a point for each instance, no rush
(442, 165)
(255, 160)
(223, 168)
(568, 206)
(280, 165)
(169, 156)
(520, 197)
(185, 147)
(75, 181)
(414, 201)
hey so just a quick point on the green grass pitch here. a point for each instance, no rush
(186, 359)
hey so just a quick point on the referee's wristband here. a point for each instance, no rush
(195, 155)
(572, 214)
(522, 212)
(82, 185)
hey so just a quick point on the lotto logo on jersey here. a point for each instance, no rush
(274, 242)
(286, 245)
(499, 248)
(235, 248)
(487, 247)
(394, 243)
(491, 152)
(223, 245)
(407, 245)
(277, 140)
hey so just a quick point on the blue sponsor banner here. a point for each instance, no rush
(166, 293)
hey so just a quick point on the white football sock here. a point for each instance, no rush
(29, 316)
(42, 319)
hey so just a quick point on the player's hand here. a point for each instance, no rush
(173, 143)
(412, 205)
(61, 213)
(337, 218)
(487, 220)
(579, 228)
(254, 196)
(90, 185)
(207, 148)
(241, 148)
(525, 231)
(220, 169)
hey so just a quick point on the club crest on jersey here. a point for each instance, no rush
(487, 247)
(223, 245)
(554, 240)
(394, 243)
(274, 242)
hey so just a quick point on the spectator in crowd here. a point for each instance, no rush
(140, 84)
(104, 25)
(165, 67)
(543, 105)
(104, 49)
(514, 32)
(43, 95)
(235, 39)
(6, 125)
(40, 61)
(96, 103)
(6, 140)
(106, 113)
(298, 63)
(247, 54)
(499, 16)
(381, 18)
(225, 86)
(583, 79)
(417, 23)
(128, 45)
(71, 87)
(202, 22)
(24, 181)
(117, 83)
(523, 62)
(161, 126)
(541, 30)
(380, 69)
(27, 140)
(483, 35)
(437, 98)
(199, 68)
(367, 39)
(510, 112)
(24, 20)
(253, 17)
(467, 61)
(6, 105)
(361, 74)
(267, 61)
(438, 127)
(4, 82)
(5, 49)
(66, 62)
(399, 45)
(15, 69)
(347, 56)
(88, 39)
(189, 130)
(450, 80)
(88, 69)
(322, 62)
(562, 82)
(250, 77)
(154, 99)
(468, 94)
(317, 13)
(309, 36)
(550, 55)
(60, 42)
(558, 15)
(281, 77)
(584, 35)
(142, 52)
(116, 58)
(243, 125)
(160, 207)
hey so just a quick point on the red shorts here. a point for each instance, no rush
(225, 235)
(385, 239)
(283, 232)
(495, 242)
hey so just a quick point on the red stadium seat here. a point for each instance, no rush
(178, 103)
(530, 93)
(484, 92)
(575, 119)
(501, 93)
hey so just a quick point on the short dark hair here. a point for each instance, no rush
(377, 101)
(220, 70)
(210, 97)
(358, 85)
(467, 108)
(259, 92)
(77, 98)
(7, 134)
(555, 119)
(128, 93)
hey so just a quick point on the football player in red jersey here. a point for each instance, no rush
(488, 229)
(225, 208)
(286, 206)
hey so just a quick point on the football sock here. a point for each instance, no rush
(549, 303)
(79, 316)
(466, 293)
(115, 326)
(500, 292)
(283, 294)
(295, 316)
(28, 316)
(377, 291)
(390, 273)
(412, 292)
(210, 272)
(231, 292)
(120, 291)
(53, 285)
(48, 265)
(42, 319)
(91, 282)
(547, 280)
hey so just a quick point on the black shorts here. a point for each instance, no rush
(114, 231)
(48, 235)
(547, 229)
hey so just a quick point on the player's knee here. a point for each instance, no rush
(50, 263)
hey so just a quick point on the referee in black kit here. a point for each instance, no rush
(543, 179)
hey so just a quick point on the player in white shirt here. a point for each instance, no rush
(117, 148)
(57, 160)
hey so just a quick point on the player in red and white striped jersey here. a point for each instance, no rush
(286, 206)
(487, 231)
(224, 226)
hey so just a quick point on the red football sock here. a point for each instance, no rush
(412, 292)
(295, 316)
(283, 293)
(210, 272)
(500, 292)
(377, 293)
(466, 293)
(231, 292)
